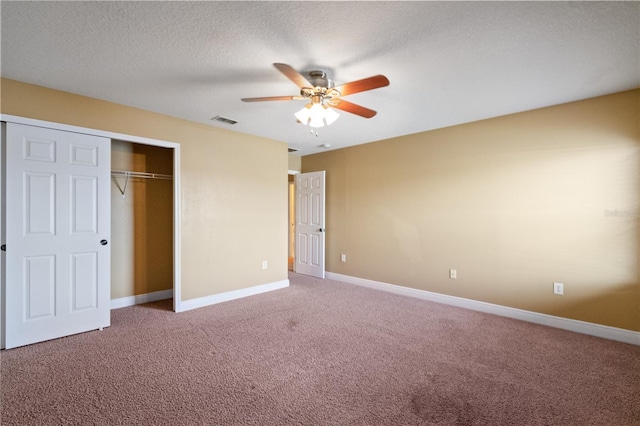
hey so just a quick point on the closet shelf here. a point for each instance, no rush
(144, 175)
(129, 174)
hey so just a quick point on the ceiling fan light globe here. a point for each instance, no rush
(316, 122)
(316, 115)
(316, 111)
(303, 115)
(330, 115)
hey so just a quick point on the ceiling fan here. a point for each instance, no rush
(322, 94)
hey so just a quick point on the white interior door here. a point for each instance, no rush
(57, 275)
(310, 226)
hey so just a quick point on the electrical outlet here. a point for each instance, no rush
(453, 274)
(558, 288)
(264, 264)
(343, 257)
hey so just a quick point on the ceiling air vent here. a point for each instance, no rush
(292, 150)
(224, 120)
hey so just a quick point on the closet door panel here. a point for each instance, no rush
(57, 274)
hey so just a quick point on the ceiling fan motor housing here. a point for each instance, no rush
(320, 79)
(322, 87)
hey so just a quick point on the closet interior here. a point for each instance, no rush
(141, 219)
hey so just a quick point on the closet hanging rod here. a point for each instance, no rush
(144, 175)
(128, 174)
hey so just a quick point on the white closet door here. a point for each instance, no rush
(57, 273)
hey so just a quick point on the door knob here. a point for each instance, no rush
(104, 242)
(321, 230)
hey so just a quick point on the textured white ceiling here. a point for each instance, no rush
(448, 62)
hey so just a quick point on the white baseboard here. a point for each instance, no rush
(123, 302)
(597, 330)
(231, 295)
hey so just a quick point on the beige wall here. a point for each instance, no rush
(513, 204)
(141, 221)
(233, 195)
(295, 162)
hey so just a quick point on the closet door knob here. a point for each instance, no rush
(104, 242)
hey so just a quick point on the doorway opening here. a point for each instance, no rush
(141, 222)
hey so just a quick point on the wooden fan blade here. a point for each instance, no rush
(270, 98)
(354, 109)
(361, 85)
(293, 75)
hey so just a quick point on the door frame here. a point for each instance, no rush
(111, 135)
(291, 217)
